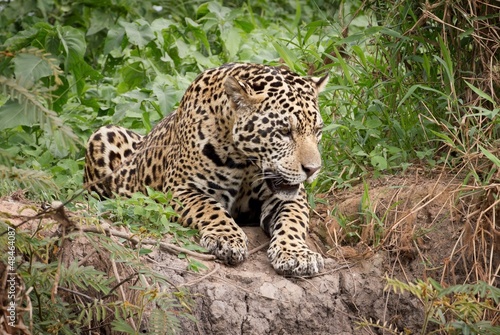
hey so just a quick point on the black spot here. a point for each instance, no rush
(232, 191)
(230, 163)
(200, 134)
(264, 132)
(103, 148)
(276, 84)
(114, 155)
(249, 126)
(100, 162)
(300, 81)
(260, 86)
(225, 198)
(111, 137)
(90, 150)
(214, 186)
(221, 177)
(209, 152)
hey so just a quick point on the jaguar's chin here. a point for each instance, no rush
(282, 188)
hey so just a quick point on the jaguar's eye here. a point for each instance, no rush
(286, 131)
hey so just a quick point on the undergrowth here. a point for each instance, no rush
(89, 277)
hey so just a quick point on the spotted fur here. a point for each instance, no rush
(237, 150)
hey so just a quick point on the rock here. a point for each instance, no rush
(252, 299)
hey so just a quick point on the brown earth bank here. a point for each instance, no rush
(410, 227)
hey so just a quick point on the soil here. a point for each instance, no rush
(402, 227)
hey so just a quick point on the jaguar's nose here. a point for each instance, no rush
(310, 169)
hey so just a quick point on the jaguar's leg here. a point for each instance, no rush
(287, 222)
(219, 232)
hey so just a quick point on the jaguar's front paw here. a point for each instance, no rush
(231, 248)
(296, 260)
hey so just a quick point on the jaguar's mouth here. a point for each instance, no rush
(279, 185)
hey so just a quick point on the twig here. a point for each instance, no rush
(320, 274)
(122, 291)
(260, 247)
(174, 249)
(89, 298)
(119, 285)
(190, 283)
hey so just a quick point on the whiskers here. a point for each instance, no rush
(263, 176)
(253, 160)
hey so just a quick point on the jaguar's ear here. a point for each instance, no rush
(320, 82)
(240, 93)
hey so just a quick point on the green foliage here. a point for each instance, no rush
(457, 309)
(88, 297)
(149, 215)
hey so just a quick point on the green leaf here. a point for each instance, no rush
(480, 92)
(333, 127)
(373, 122)
(138, 32)
(379, 162)
(442, 136)
(490, 156)
(246, 26)
(120, 325)
(132, 76)
(99, 20)
(29, 68)
(72, 41)
(288, 56)
(232, 39)
(13, 114)
(344, 66)
(412, 90)
(114, 40)
(31, 111)
(145, 251)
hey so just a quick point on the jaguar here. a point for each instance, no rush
(237, 151)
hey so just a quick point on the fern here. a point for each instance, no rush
(481, 289)
(85, 276)
(385, 326)
(463, 308)
(30, 111)
(159, 322)
(30, 180)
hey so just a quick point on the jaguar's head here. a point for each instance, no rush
(277, 125)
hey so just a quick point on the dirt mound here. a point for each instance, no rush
(253, 299)
(404, 228)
